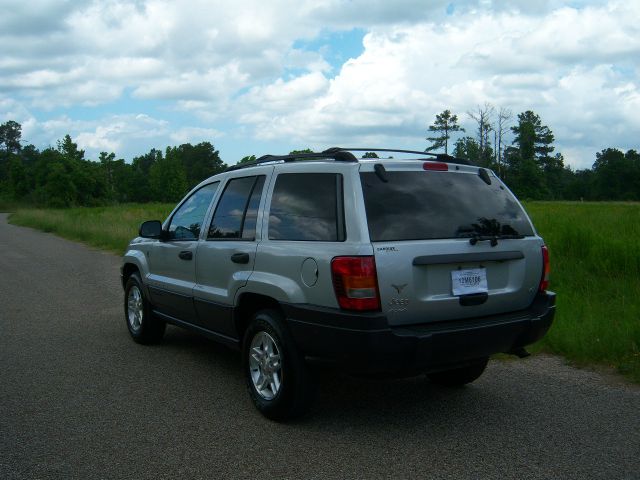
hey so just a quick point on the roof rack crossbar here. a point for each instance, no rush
(338, 155)
(443, 157)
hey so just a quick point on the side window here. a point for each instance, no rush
(186, 222)
(237, 211)
(307, 206)
(251, 216)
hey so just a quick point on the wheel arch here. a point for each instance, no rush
(128, 269)
(133, 260)
(247, 305)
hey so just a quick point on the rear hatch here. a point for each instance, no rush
(450, 242)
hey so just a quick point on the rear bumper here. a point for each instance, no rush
(366, 343)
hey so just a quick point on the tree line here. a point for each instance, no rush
(529, 164)
(62, 176)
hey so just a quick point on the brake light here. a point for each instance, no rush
(356, 283)
(546, 269)
(436, 166)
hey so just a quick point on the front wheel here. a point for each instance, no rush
(143, 326)
(459, 376)
(275, 372)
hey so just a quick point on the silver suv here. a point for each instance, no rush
(377, 265)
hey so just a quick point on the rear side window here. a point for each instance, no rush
(421, 205)
(237, 210)
(307, 206)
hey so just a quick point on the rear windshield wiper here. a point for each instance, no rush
(492, 238)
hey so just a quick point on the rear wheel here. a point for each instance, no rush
(143, 326)
(275, 372)
(459, 376)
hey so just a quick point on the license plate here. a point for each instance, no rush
(466, 282)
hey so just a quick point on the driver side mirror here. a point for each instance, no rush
(151, 229)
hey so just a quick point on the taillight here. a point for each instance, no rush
(546, 269)
(437, 166)
(356, 283)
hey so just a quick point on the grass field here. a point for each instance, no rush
(108, 228)
(595, 261)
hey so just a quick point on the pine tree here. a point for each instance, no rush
(445, 124)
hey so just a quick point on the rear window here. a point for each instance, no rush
(423, 205)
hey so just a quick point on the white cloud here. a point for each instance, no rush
(195, 135)
(126, 135)
(560, 64)
(226, 67)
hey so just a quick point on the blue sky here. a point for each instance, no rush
(257, 77)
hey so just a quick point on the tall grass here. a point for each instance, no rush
(595, 261)
(108, 228)
(7, 204)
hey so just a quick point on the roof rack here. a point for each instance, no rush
(441, 157)
(340, 154)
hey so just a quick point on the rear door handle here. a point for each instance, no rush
(186, 255)
(240, 258)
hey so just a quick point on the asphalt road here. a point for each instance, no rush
(79, 399)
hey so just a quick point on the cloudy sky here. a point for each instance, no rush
(256, 77)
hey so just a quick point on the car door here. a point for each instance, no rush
(172, 260)
(225, 259)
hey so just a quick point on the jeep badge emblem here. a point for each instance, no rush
(399, 288)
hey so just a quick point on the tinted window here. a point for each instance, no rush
(240, 195)
(306, 206)
(251, 216)
(186, 222)
(421, 205)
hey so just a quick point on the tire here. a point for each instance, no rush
(459, 376)
(143, 326)
(277, 378)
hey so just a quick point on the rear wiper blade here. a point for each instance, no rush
(481, 238)
(516, 236)
(492, 238)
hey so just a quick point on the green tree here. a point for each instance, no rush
(370, 155)
(18, 178)
(117, 176)
(247, 159)
(524, 176)
(467, 147)
(69, 149)
(533, 140)
(199, 161)
(138, 186)
(580, 185)
(530, 157)
(617, 175)
(445, 124)
(60, 188)
(168, 180)
(10, 133)
(106, 163)
(295, 152)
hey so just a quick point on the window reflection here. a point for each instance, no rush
(304, 207)
(229, 220)
(187, 221)
(429, 205)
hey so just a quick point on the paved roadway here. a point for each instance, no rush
(79, 399)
